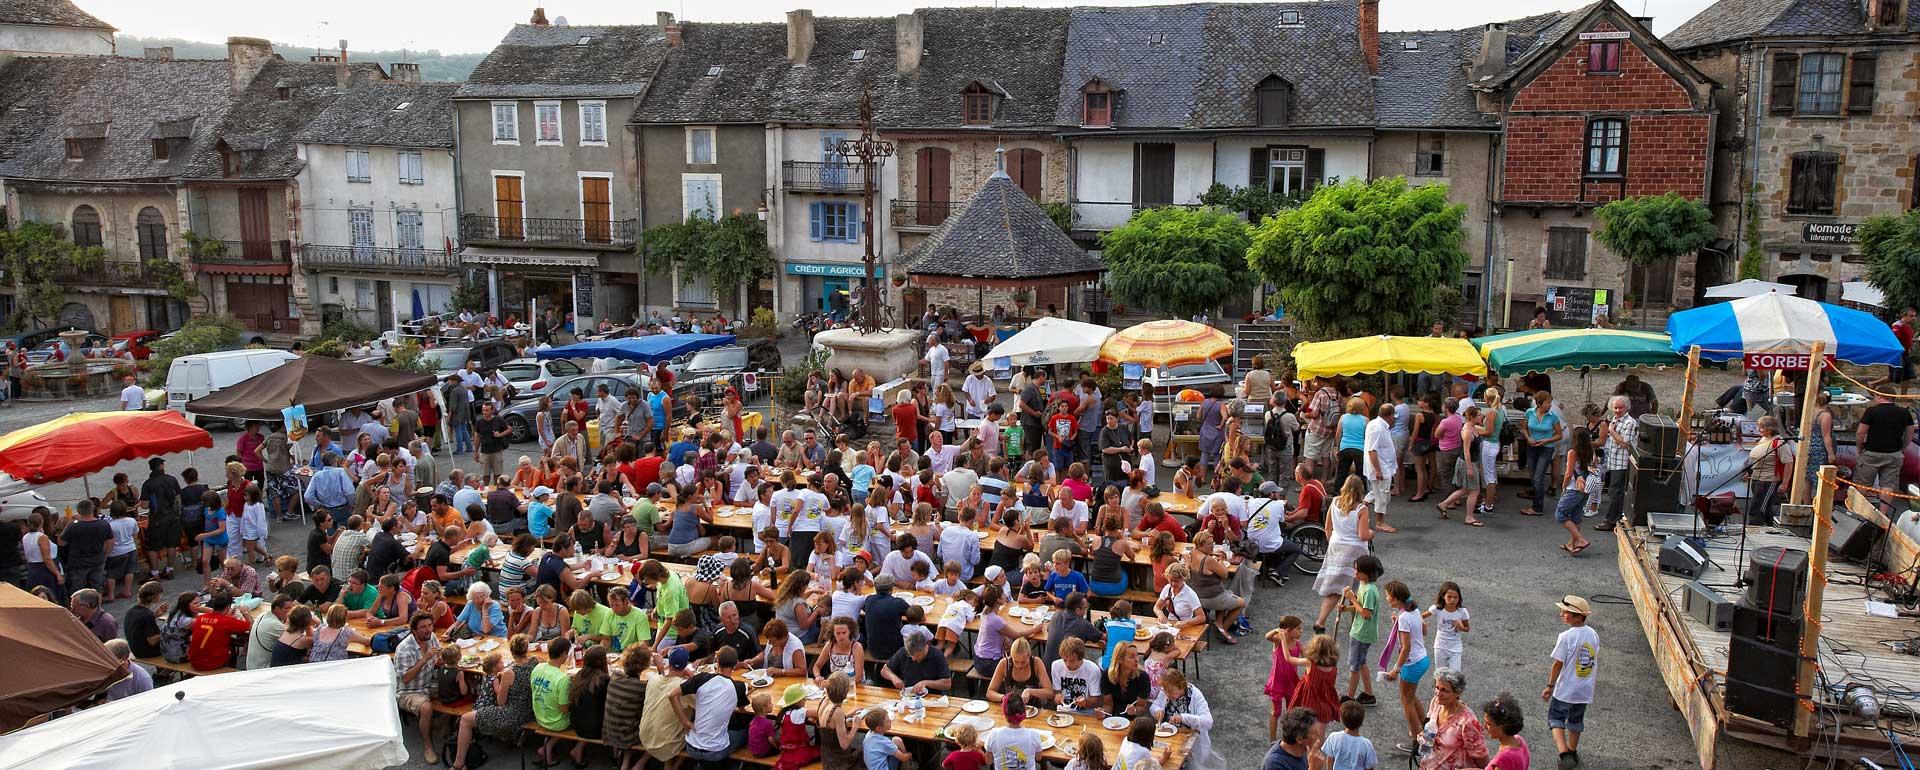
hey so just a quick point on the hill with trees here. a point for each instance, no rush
(434, 65)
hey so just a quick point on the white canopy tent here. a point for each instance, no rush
(1863, 293)
(1751, 287)
(317, 716)
(1052, 341)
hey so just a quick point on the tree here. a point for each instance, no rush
(1753, 260)
(1891, 245)
(1178, 260)
(1256, 203)
(1652, 228)
(200, 334)
(1364, 258)
(729, 252)
(34, 254)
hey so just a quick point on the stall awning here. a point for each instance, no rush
(481, 255)
(1552, 350)
(1385, 353)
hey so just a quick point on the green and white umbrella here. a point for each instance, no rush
(1552, 350)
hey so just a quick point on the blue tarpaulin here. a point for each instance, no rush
(651, 349)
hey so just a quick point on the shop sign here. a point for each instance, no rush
(583, 295)
(834, 269)
(1790, 362)
(1830, 232)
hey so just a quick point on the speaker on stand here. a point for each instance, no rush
(1763, 652)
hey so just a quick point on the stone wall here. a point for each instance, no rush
(974, 160)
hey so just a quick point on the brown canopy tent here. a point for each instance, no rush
(52, 660)
(1000, 239)
(319, 383)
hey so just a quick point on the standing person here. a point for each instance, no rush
(1449, 613)
(1420, 446)
(979, 389)
(1033, 405)
(162, 495)
(429, 412)
(1582, 474)
(1410, 659)
(276, 470)
(1884, 432)
(1765, 465)
(1323, 418)
(1617, 443)
(492, 434)
(1452, 737)
(1350, 457)
(1570, 681)
(84, 542)
(1382, 465)
(1493, 420)
(248, 448)
(1349, 528)
(1213, 431)
(1544, 433)
(132, 397)
(459, 403)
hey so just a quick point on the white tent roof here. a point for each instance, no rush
(316, 716)
(1751, 287)
(1053, 341)
(1863, 293)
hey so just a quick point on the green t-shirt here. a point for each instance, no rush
(590, 622)
(359, 601)
(550, 685)
(670, 599)
(645, 514)
(1367, 629)
(625, 630)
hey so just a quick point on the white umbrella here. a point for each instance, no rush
(315, 716)
(1053, 341)
(1863, 293)
(1751, 287)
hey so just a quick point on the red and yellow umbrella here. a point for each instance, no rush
(84, 442)
(1166, 342)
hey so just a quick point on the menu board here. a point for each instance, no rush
(1577, 307)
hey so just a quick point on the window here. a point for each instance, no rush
(1566, 253)
(360, 230)
(1820, 83)
(1096, 105)
(1810, 188)
(150, 226)
(1287, 170)
(1289, 17)
(593, 123)
(1603, 57)
(700, 146)
(1430, 158)
(1271, 99)
(86, 226)
(1913, 196)
(700, 196)
(1606, 147)
(162, 149)
(359, 165)
(834, 221)
(978, 106)
(409, 230)
(76, 150)
(1860, 82)
(412, 167)
(506, 123)
(546, 123)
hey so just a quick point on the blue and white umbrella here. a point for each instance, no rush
(1783, 323)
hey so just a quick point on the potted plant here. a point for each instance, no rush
(1022, 298)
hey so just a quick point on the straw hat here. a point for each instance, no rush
(793, 694)
(1575, 605)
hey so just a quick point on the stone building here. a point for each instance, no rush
(1818, 127)
(51, 28)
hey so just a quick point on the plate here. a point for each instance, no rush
(1060, 720)
(1069, 749)
(1142, 634)
(1165, 730)
(974, 706)
(757, 673)
(465, 643)
(725, 512)
(1033, 711)
(908, 595)
(610, 576)
(1046, 740)
(760, 682)
(1030, 620)
(924, 601)
(488, 645)
(1115, 723)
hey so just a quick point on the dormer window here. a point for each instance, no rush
(1272, 98)
(1410, 45)
(584, 39)
(713, 72)
(1096, 105)
(978, 104)
(76, 149)
(229, 160)
(282, 93)
(859, 54)
(162, 149)
(1289, 18)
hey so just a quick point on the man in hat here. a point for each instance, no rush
(979, 389)
(1576, 656)
(1265, 516)
(882, 617)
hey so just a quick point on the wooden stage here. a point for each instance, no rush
(1692, 657)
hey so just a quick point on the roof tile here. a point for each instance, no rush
(542, 61)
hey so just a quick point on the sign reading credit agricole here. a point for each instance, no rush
(1830, 232)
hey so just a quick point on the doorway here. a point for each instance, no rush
(120, 307)
(1807, 286)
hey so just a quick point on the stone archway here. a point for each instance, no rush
(74, 314)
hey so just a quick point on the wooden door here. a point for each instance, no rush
(1153, 174)
(121, 309)
(1652, 285)
(933, 185)
(256, 237)
(1023, 165)
(596, 208)
(509, 207)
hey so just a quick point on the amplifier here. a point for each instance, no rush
(1773, 629)
(1651, 491)
(1852, 537)
(1645, 460)
(1707, 605)
(1659, 435)
(1778, 580)
(1680, 557)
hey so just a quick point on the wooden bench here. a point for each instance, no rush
(177, 671)
(745, 757)
(535, 729)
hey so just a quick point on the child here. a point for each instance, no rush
(1450, 615)
(1063, 580)
(949, 582)
(253, 525)
(1090, 754)
(1575, 655)
(915, 624)
(1365, 603)
(1410, 657)
(797, 746)
(953, 623)
(760, 729)
(1346, 749)
(1503, 725)
(213, 542)
(1284, 676)
(922, 575)
(882, 752)
(1119, 628)
(1033, 581)
(1315, 692)
(450, 683)
(967, 754)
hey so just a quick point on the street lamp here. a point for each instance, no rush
(871, 152)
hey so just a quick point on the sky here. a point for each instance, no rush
(457, 26)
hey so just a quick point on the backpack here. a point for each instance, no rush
(1277, 437)
(385, 642)
(175, 637)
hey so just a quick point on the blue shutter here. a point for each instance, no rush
(816, 220)
(853, 223)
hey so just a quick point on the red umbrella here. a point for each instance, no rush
(83, 442)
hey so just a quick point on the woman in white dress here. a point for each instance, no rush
(1349, 532)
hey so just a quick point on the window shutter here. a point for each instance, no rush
(1316, 167)
(1797, 182)
(1257, 168)
(816, 220)
(854, 223)
(1860, 83)
(1826, 169)
(1786, 80)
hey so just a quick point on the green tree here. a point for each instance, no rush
(729, 252)
(1891, 245)
(1652, 228)
(1363, 257)
(200, 334)
(33, 254)
(1256, 203)
(1178, 260)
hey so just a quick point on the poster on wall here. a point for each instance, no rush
(582, 296)
(1576, 307)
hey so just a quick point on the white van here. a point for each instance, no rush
(197, 375)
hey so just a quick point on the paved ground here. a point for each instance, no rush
(1510, 570)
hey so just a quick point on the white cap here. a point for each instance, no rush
(994, 572)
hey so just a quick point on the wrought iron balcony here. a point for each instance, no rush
(805, 176)
(923, 214)
(240, 252)
(556, 233)
(132, 274)
(380, 258)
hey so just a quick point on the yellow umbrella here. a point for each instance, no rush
(1367, 355)
(1166, 343)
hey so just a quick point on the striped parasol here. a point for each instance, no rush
(1166, 342)
(84, 442)
(1552, 350)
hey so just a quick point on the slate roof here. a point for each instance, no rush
(1428, 87)
(263, 125)
(756, 84)
(1014, 51)
(1531, 35)
(43, 99)
(549, 61)
(370, 114)
(1730, 20)
(1000, 233)
(51, 13)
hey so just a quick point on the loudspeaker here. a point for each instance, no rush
(1852, 537)
(1772, 629)
(1659, 435)
(1679, 557)
(1707, 605)
(1651, 491)
(1645, 460)
(1773, 706)
(1779, 580)
(1762, 665)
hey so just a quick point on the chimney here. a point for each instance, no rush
(671, 28)
(246, 56)
(1370, 34)
(909, 40)
(1644, 21)
(405, 71)
(1493, 52)
(342, 76)
(799, 36)
(663, 19)
(539, 17)
(162, 54)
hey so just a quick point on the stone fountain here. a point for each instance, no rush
(77, 377)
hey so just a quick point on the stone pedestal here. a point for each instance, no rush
(884, 355)
(75, 340)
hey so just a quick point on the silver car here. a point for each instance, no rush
(520, 414)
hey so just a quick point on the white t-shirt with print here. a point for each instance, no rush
(1083, 681)
(1447, 638)
(1578, 651)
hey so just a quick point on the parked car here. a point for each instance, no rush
(190, 377)
(703, 367)
(531, 377)
(487, 353)
(137, 342)
(43, 352)
(1166, 382)
(29, 340)
(520, 414)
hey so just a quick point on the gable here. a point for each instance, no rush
(1648, 76)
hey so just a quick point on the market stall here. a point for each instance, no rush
(320, 384)
(1387, 353)
(52, 661)
(1554, 350)
(1167, 342)
(80, 443)
(651, 349)
(1052, 341)
(1749, 287)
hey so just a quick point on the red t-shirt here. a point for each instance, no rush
(1311, 496)
(643, 471)
(906, 421)
(969, 759)
(1060, 427)
(1904, 332)
(1067, 395)
(212, 644)
(1167, 524)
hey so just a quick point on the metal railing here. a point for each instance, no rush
(268, 323)
(380, 258)
(810, 176)
(923, 213)
(563, 233)
(232, 252)
(107, 274)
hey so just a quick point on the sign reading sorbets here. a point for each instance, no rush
(1830, 232)
(1792, 362)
